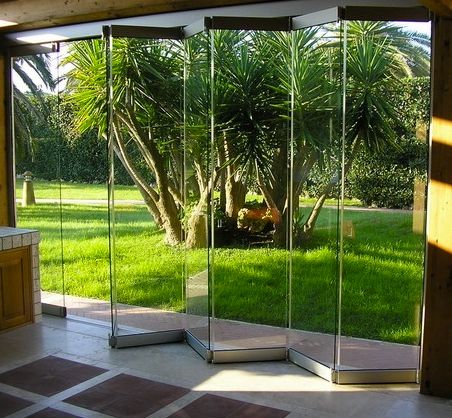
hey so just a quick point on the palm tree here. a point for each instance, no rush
(380, 55)
(247, 120)
(146, 120)
(410, 49)
(257, 77)
(26, 111)
(311, 84)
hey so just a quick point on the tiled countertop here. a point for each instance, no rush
(6, 231)
(16, 237)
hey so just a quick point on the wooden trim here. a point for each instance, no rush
(436, 375)
(10, 143)
(48, 13)
(439, 7)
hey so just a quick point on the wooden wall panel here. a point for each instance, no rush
(436, 377)
(440, 7)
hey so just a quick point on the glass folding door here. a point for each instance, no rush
(84, 173)
(144, 77)
(61, 166)
(250, 90)
(37, 148)
(384, 167)
(317, 75)
(197, 186)
(267, 189)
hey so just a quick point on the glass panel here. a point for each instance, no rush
(251, 149)
(38, 145)
(385, 153)
(84, 174)
(196, 195)
(317, 131)
(146, 140)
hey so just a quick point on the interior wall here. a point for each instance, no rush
(437, 345)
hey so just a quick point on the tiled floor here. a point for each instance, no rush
(75, 373)
(218, 406)
(128, 396)
(122, 396)
(49, 375)
(10, 404)
(52, 413)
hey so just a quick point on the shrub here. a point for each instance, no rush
(387, 179)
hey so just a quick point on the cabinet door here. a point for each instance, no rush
(15, 288)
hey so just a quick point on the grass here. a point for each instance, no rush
(51, 190)
(382, 281)
(381, 284)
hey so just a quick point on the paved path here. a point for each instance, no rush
(101, 202)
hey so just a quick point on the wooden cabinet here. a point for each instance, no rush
(16, 303)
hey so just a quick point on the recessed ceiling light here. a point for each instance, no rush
(4, 23)
(40, 39)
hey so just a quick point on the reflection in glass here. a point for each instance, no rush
(84, 208)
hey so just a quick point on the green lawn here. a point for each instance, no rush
(382, 279)
(51, 190)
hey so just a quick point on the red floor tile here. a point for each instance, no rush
(52, 413)
(127, 396)
(49, 375)
(10, 404)
(213, 406)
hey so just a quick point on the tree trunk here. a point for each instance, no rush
(235, 197)
(277, 209)
(172, 226)
(162, 205)
(197, 227)
(280, 234)
(223, 191)
(309, 226)
(278, 189)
